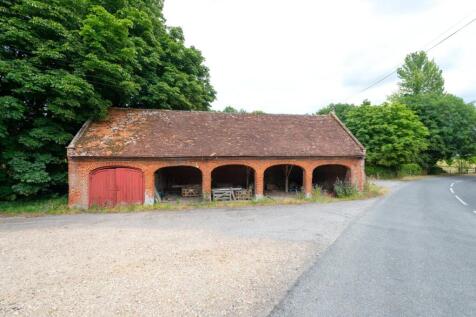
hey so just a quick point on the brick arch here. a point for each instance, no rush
(171, 180)
(94, 170)
(214, 167)
(271, 164)
(327, 177)
(158, 166)
(155, 169)
(234, 180)
(349, 166)
(281, 180)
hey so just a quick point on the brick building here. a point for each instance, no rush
(142, 155)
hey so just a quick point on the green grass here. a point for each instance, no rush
(57, 206)
(41, 206)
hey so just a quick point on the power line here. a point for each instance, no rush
(426, 50)
(452, 34)
(448, 29)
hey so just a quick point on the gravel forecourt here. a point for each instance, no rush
(232, 262)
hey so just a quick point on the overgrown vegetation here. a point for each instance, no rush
(230, 109)
(418, 126)
(344, 189)
(409, 169)
(56, 206)
(65, 61)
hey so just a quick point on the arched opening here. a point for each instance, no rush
(283, 180)
(178, 182)
(233, 182)
(325, 176)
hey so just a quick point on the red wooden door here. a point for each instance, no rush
(130, 186)
(111, 186)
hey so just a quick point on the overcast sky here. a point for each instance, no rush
(297, 56)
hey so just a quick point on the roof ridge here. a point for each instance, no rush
(219, 112)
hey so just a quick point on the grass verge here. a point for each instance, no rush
(59, 206)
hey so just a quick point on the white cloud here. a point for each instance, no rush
(297, 56)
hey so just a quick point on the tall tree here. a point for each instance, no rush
(451, 123)
(65, 61)
(419, 75)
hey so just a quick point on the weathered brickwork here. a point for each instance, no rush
(80, 168)
(152, 139)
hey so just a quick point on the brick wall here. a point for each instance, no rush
(80, 168)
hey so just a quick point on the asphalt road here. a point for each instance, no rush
(411, 254)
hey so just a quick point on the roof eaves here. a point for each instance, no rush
(216, 112)
(333, 115)
(78, 135)
(205, 157)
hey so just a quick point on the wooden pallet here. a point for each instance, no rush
(244, 194)
(190, 191)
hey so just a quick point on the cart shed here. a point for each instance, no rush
(144, 156)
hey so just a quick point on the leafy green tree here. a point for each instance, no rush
(451, 123)
(65, 61)
(230, 109)
(392, 134)
(340, 110)
(419, 75)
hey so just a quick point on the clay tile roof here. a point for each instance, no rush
(167, 134)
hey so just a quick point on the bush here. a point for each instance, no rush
(436, 170)
(410, 169)
(380, 171)
(344, 189)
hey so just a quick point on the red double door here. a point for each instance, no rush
(113, 186)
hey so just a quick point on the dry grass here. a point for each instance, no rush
(58, 206)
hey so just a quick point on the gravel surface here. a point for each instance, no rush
(232, 262)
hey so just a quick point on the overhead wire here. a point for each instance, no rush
(380, 80)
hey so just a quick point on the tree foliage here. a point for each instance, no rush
(230, 109)
(419, 75)
(340, 110)
(392, 134)
(451, 123)
(65, 61)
